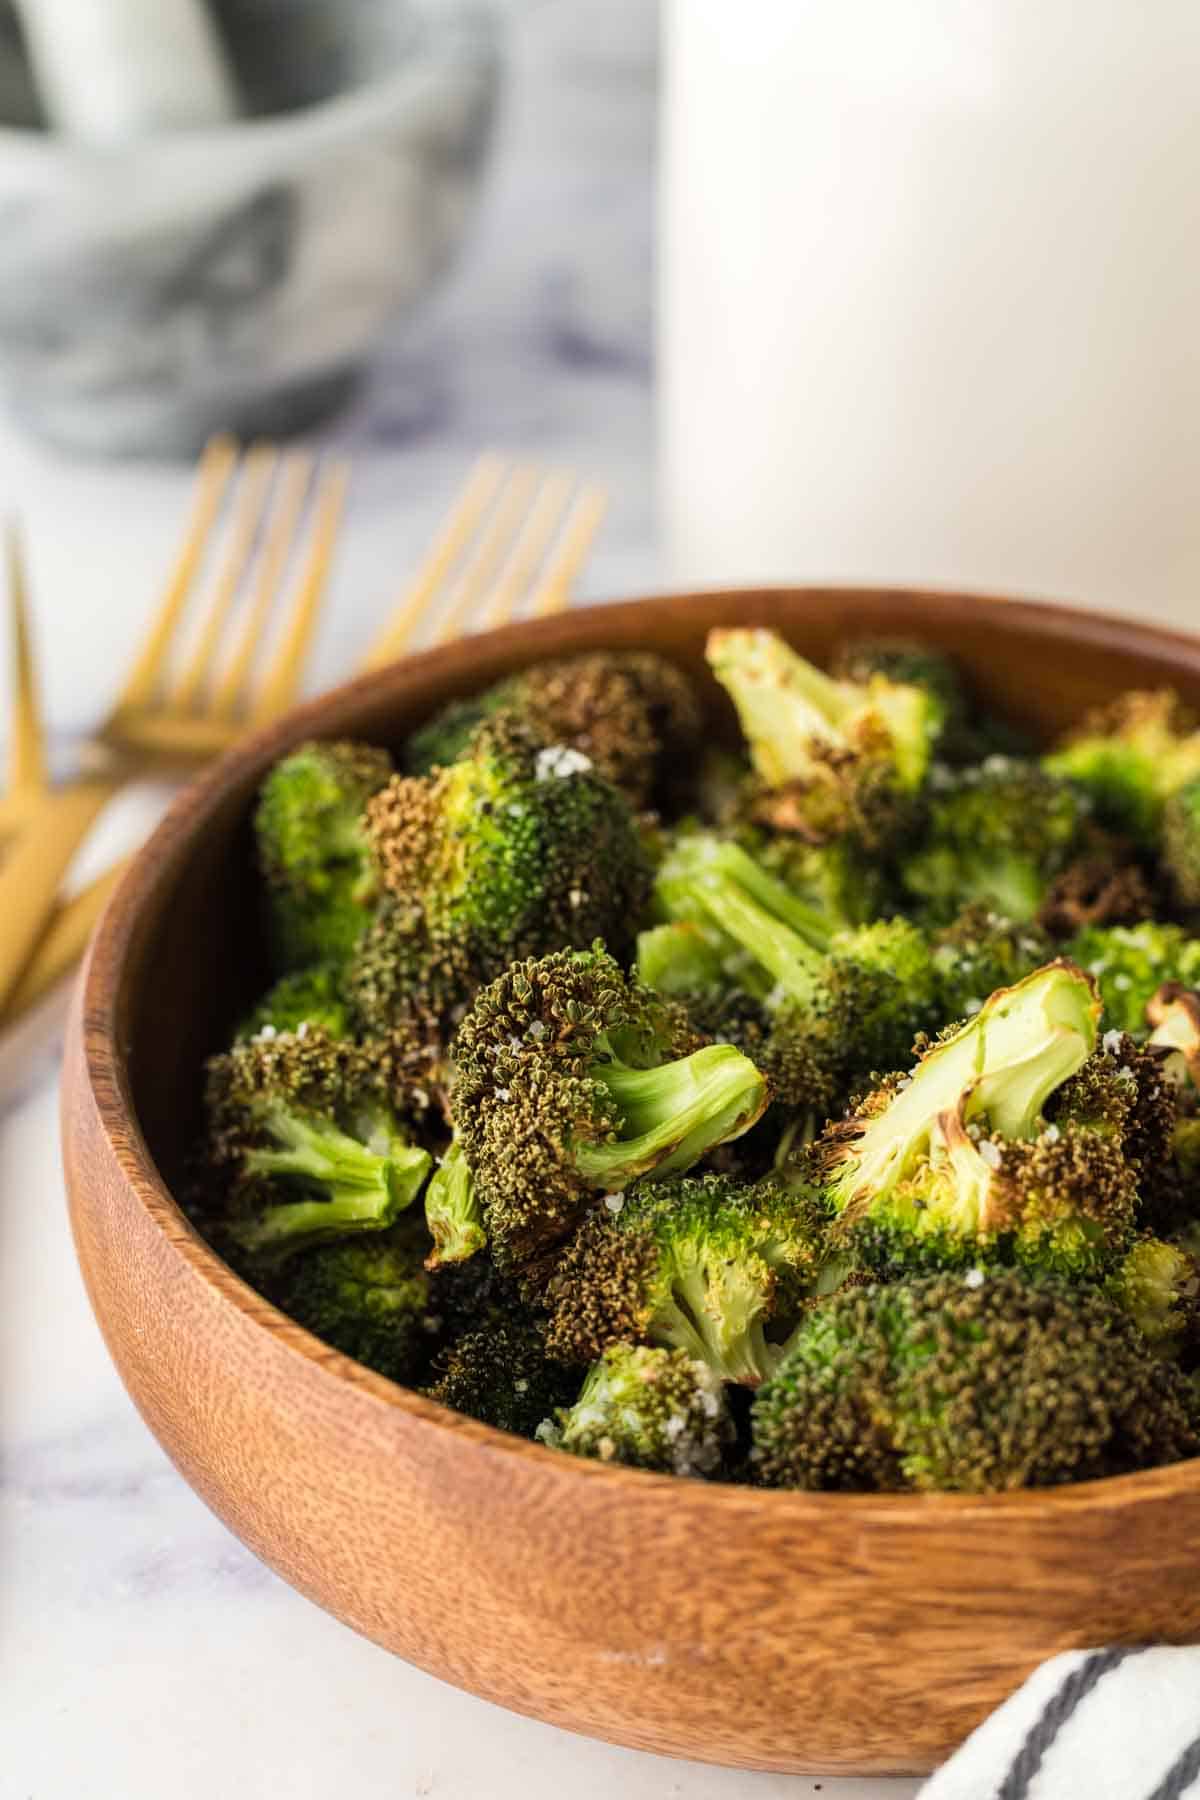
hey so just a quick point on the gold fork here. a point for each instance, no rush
(524, 531)
(513, 543)
(160, 718)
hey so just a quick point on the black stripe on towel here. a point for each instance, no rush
(1180, 1776)
(1057, 1710)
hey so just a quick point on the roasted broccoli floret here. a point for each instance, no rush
(311, 996)
(1103, 886)
(968, 1383)
(511, 852)
(1181, 843)
(1130, 756)
(834, 756)
(980, 952)
(855, 998)
(501, 1375)
(1130, 963)
(703, 1265)
(319, 878)
(368, 1296)
(573, 1081)
(305, 1138)
(1158, 1285)
(956, 1162)
(909, 664)
(631, 712)
(996, 835)
(452, 1210)
(653, 1409)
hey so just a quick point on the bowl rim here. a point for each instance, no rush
(407, 86)
(102, 986)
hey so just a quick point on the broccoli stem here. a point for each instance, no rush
(363, 1189)
(677, 959)
(700, 865)
(670, 1115)
(716, 1315)
(452, 1211)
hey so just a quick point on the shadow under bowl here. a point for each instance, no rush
(816, 1633)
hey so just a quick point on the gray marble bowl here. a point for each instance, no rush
(237, 279)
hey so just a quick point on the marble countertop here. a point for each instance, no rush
(146, 1654)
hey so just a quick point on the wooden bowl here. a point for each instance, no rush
(800, 1632)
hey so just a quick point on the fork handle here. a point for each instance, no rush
(35, 865)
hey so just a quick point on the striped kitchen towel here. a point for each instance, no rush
(1091, 1725)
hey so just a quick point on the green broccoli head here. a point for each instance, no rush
(1181, 843)
(572, 1081)
(1131, 962)
(631, 712)
(368, 1296)
(1158, 1285)
(981, 951)
(838, 756)
(306, 1142)
(703, 1265)
(997, 834)
(513, 851)
(856, 997)
(905, 663)
(956, 1163)
(968, 1383)
(1129, 757)
(311, 996)
(500, 1374)
(650, 1408)
(316, 864)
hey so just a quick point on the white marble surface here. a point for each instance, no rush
(145, 1653)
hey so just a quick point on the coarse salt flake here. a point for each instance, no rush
(560, 760)
(990, 1154)
(614, 1202)
(973, 1278)
(1111, 1042)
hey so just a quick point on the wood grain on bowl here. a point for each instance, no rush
(799, 1632)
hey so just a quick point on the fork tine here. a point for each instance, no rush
(289, 504)
(493, 547)
(480, 490)
(216, 466)
(541, 527)
(282, 679)
(64, 941)
(27, 752)
(251, 500)
(554, 590)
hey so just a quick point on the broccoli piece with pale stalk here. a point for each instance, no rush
(500, 1374)
(701, 1264)
(1130, 756)
(452, 1210)
(368, 1296)
(651, 1409)
(572, 1081)
(514, 851)
(956, 1163)
(631, 712)
(305, 1138)
(1130, 964)
(1181, 843)
(311, 996)
(834, 756)
(855, 998)
(318, 874)
(968, 1383)
(996, 835)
